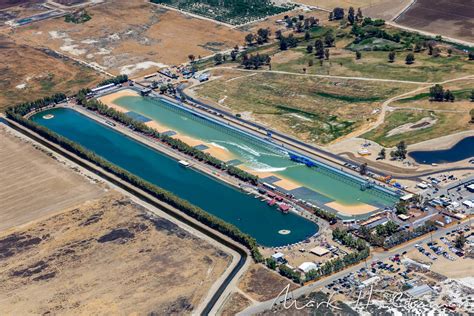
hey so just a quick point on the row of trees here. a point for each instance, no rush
(389, 235)
(348, 239)
(255, 61)
(437, 93)
(24, 108)
(300, 23)
(116, 80)
(406, 235)
(326, 215)
(329, 267)
(338, 264)
(16, 113)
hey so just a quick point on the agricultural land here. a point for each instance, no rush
(229, 11)
(453, 18)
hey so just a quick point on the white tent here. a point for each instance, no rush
(308, 266)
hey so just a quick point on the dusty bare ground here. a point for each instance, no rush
(109, 256)
(458, 269)
(132, 37)
(386, 9)
(234, 304)
(331, 4)
(453, 18)
(28, 73)
(33, 185)
(263, 284)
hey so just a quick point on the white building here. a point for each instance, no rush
(278, 257)
(468, 203)
(369, 281)
(422, 185)
(308, 266)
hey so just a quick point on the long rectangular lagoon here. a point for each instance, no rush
(319, 185)
(247, 213)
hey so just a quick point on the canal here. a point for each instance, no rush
(250, 215)
(320, 185)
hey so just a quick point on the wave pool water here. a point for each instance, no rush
(329, 186)
(244, 211)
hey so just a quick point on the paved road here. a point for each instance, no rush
(378, 256)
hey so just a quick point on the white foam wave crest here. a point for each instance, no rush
(219, 146)
(242, 147)
(259, 166)
(269, 169)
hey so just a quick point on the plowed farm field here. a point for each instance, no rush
(453, 18)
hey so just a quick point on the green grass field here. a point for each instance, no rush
(375, 65)
(313, 109)
(447, 123)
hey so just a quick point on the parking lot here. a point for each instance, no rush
(429, 263)
(453, 196)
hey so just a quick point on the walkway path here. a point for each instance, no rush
(386, 107)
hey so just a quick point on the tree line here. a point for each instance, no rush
(328, 268)
(389, 235)
(349, 240)
(16, 113)
(115, 80)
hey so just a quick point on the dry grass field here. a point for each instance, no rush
(108, 257)
(454, 18)
(28, 73)
(131, 37)
(407, 116)
(234, 304)
(316, 110)
(374, 64)
(33, 185)
(262, 284)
